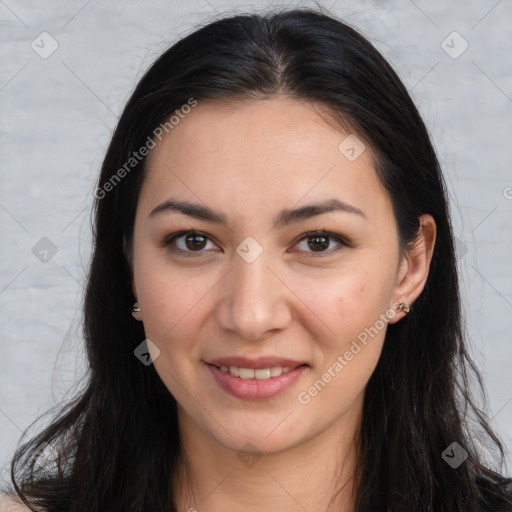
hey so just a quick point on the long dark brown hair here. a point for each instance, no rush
(117, 441)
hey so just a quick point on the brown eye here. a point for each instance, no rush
(188, 243)
(318, 243)
(195, 241)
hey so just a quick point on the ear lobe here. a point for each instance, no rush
(136, 311)
(415, 267)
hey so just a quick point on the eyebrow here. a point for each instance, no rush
(284, 218)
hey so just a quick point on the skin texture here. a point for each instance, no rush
(250, 160)
(11, 504)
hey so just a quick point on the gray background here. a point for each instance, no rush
(57, 114)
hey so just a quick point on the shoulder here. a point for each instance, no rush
(11, 504)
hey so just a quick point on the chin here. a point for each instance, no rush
(266, 437)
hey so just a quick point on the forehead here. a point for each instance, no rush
(256, 153)
(252, 132)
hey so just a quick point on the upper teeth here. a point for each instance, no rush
(260, 373)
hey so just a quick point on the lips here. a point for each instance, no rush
(255, 379)
(259, 363)
(248, 383)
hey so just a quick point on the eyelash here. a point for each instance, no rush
(169, 239)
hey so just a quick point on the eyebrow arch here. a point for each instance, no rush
(284, 218)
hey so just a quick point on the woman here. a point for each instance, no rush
(272, 314)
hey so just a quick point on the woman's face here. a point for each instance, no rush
(253, 287)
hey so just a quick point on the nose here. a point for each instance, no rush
(254, 300)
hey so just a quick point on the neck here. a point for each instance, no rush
(317, 475)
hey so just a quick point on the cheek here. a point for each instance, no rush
(173, 305)
(349, 348)
(348, 355)
(173, 312)
(170, 305)
(348, 302)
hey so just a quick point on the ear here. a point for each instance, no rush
(136, 314)
(415, 265)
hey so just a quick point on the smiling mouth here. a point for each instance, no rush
(259, 373)
(265, 380)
